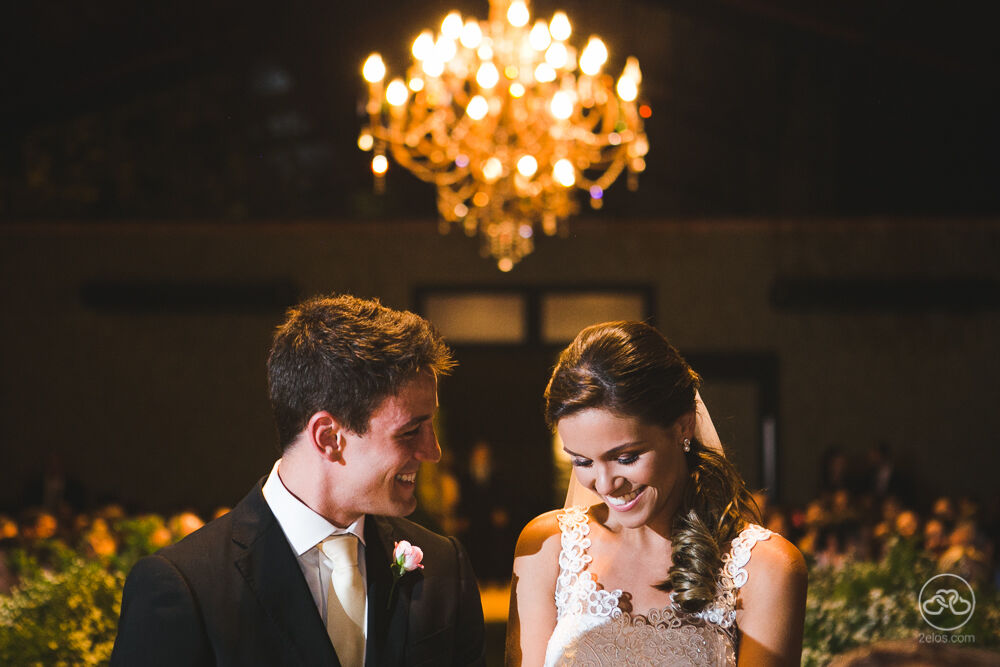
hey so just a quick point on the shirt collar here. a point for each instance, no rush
(303, 527)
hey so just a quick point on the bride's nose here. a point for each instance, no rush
(604, 481)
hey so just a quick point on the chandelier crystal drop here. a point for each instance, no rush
(507, 119)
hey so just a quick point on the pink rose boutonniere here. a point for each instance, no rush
(405, 558)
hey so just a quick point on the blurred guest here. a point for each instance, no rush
(439, 492)
(963, 557)
(834, 471)
(8, 528)
(763, 502)
(98, 540)
(935, 538)
(8, 536)
(54, 490)
(814, 520)
(907, 524)
(883, 477)
(943, 510)
(39, 524)
(776, 520)
(484, 510)
(891, 508)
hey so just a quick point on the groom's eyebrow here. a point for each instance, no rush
(413, 422)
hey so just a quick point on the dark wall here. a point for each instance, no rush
(136, 351)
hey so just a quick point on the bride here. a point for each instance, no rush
(670, 567)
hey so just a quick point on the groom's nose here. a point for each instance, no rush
(429, 449)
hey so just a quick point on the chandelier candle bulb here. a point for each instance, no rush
(540, 37)
(556, 55)
(545, 73)
(373, 69)
(396, 93)
(518, 14)
(452, 26)
(527, 166)
(472, 35)
(560, 27)
(487, 76)
(564, 173)
(562, 105)
(627, 90)
(478, 108)
(509, 121)
(593, 57)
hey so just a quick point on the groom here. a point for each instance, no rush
(301, 571)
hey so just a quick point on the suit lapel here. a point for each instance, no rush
(272, 572)
(387, 623)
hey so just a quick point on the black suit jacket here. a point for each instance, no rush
(232, 593)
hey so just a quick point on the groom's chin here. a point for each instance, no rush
(401, 507)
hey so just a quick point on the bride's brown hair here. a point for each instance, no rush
(630, 369)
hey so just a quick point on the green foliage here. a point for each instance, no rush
(866, 602)
(64, 609)
(138, 537)
(66, 616)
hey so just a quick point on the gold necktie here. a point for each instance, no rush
(345, 600)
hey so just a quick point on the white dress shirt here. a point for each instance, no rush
(305, 530)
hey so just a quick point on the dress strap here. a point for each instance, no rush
(733, 576)
(574, 527)
(576, 590)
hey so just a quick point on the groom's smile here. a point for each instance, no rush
(383, 463)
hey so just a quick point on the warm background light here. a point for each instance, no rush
(374, 68)
(518, 14)
(560, 27)
(396, 93)
(527, 166)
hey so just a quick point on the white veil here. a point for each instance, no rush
(704, 432)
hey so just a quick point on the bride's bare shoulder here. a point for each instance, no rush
(773, 598)
(540, 535)
(776, 557)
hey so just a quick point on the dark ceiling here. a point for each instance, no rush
(222, 110)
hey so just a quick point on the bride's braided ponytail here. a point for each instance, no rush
(715, 508)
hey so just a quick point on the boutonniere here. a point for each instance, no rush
(405, 559)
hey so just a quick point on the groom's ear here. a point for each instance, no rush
(326, 436)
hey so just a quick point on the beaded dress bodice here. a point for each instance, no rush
(592, 629)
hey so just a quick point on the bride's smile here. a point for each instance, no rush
(638, 469)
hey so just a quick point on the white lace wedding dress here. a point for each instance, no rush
(593, 630)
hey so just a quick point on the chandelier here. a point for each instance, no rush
(507, 120)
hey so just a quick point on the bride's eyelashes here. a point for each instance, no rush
(625, 460)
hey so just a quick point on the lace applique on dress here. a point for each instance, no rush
(593, 630)
(576, 590)
(732, 576)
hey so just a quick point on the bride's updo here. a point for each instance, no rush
(630, 369)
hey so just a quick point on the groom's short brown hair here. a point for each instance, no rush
(346, 355)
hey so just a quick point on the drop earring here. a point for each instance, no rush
(687, 444)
